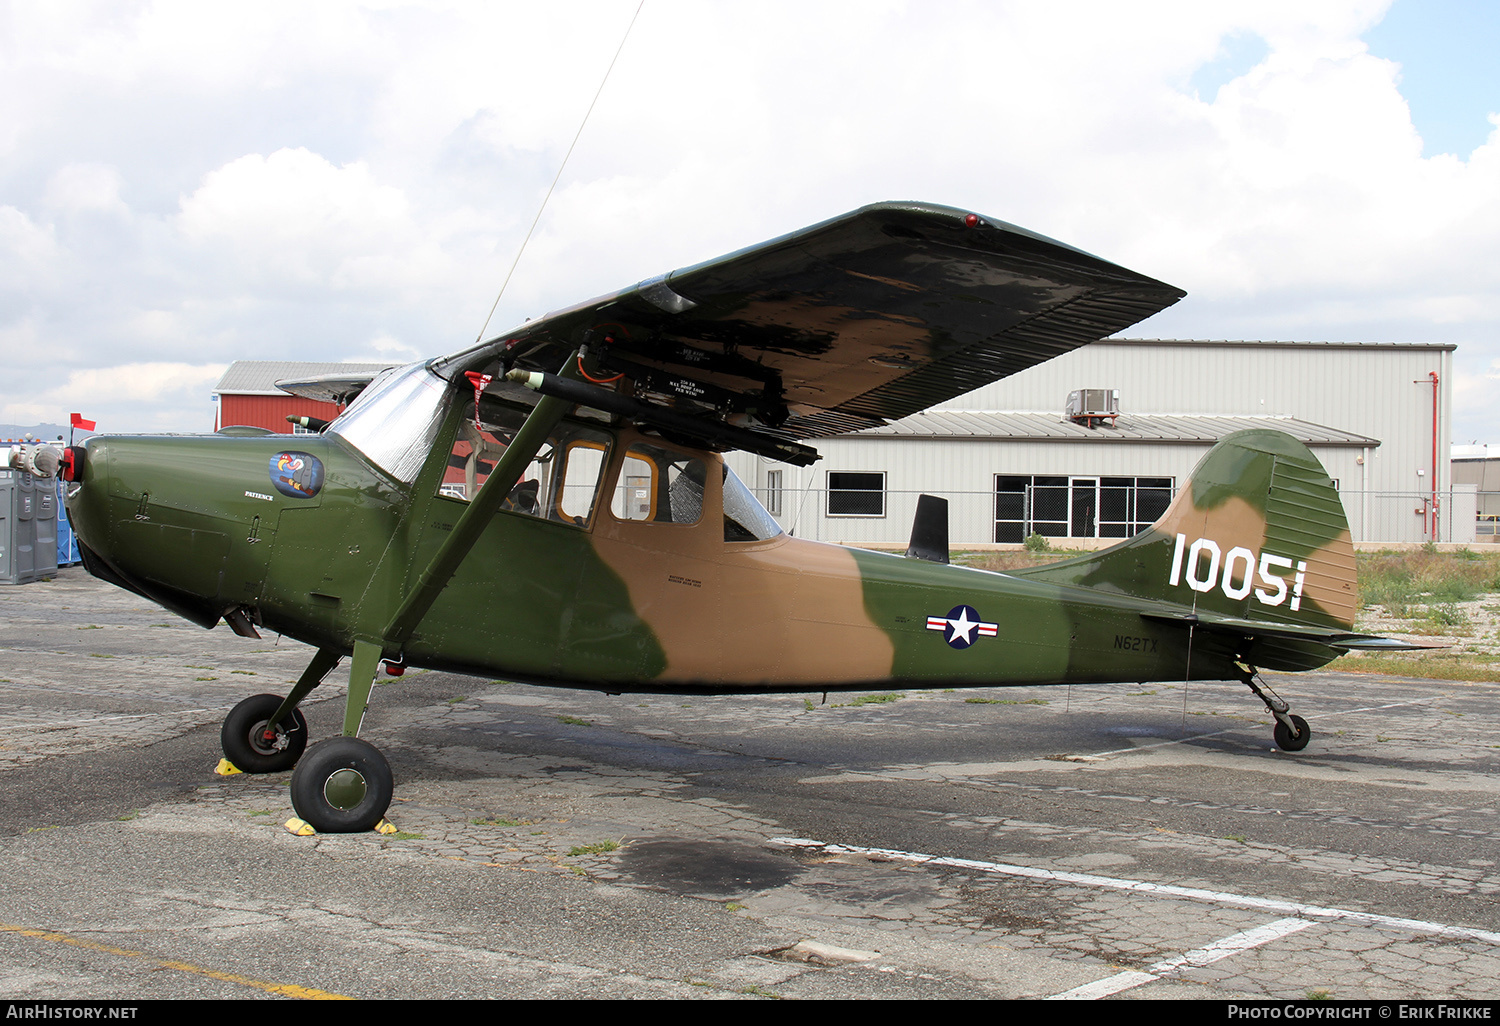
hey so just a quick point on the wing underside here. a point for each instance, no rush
(842, 326)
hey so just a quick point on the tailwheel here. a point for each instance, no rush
(342, 786)
(1287, 741)
(254, 744)
(1291, 732)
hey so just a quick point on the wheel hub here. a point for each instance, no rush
(345, 788)
(267, 740)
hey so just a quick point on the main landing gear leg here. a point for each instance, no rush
(343, 785)
(267, 733)
(1292, 733)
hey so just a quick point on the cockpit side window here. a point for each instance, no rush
(562, 481)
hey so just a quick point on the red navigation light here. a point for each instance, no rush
(971, 220)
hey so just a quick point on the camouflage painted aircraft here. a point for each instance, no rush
(550, 506)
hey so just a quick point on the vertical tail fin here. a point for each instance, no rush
(1258, 533)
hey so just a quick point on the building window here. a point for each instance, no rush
(852, 494)
(773, 492)
(1057, 506)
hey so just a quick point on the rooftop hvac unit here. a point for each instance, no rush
(1091, 406)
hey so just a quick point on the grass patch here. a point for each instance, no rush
(453, 701)
(574, 721)
(1022, 559)
(882, 699)
(1470, 666)
(597, 848)
(402, 835)
(1007, 701)
(500, 821)
(1401, 580)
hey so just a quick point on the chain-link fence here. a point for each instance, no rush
(883, 516)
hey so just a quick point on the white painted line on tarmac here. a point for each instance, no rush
(1206, 955)
(1290, 908)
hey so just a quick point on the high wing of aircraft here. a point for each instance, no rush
(550, 505)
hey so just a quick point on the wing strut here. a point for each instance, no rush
(508, 470)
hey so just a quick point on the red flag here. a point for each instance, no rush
(79, 422)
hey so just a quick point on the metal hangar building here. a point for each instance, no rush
(1088, 448)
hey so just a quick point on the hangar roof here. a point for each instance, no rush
(1130, 427)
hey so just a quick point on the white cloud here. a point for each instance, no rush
(26, 248)
(125, 398)
(86, 188)
(287, 180)
(295, 216)
(385, 348)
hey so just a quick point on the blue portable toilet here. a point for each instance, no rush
(67, 541)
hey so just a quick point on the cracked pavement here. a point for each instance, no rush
(1116, 842)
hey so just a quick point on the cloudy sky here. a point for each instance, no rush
(185, 183)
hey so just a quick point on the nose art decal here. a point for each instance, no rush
(297, 475)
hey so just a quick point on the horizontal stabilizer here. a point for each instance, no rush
(1333, 638)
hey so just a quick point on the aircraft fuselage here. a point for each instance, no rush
(201, 525)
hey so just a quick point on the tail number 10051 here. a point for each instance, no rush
(1234, 572)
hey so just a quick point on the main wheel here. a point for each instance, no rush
(342, 786)
(254, 745)
(1284, 739)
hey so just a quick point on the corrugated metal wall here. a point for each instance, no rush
(1383, 392)
(270, 411)
(1378, 390)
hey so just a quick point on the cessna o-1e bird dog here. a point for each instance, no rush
(549, 505)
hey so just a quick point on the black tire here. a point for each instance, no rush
(1284, 739)
(245, 744)
(342, 786)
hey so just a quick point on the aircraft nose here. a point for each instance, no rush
(87, 493)
(135, 505)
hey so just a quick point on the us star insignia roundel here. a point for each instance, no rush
(962, 626)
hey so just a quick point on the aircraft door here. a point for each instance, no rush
(662, 536)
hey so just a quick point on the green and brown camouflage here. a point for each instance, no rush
(1254, 546)
(482, 514)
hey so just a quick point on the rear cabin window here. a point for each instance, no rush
(659, 486)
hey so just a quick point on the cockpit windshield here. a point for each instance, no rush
(395, 421)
